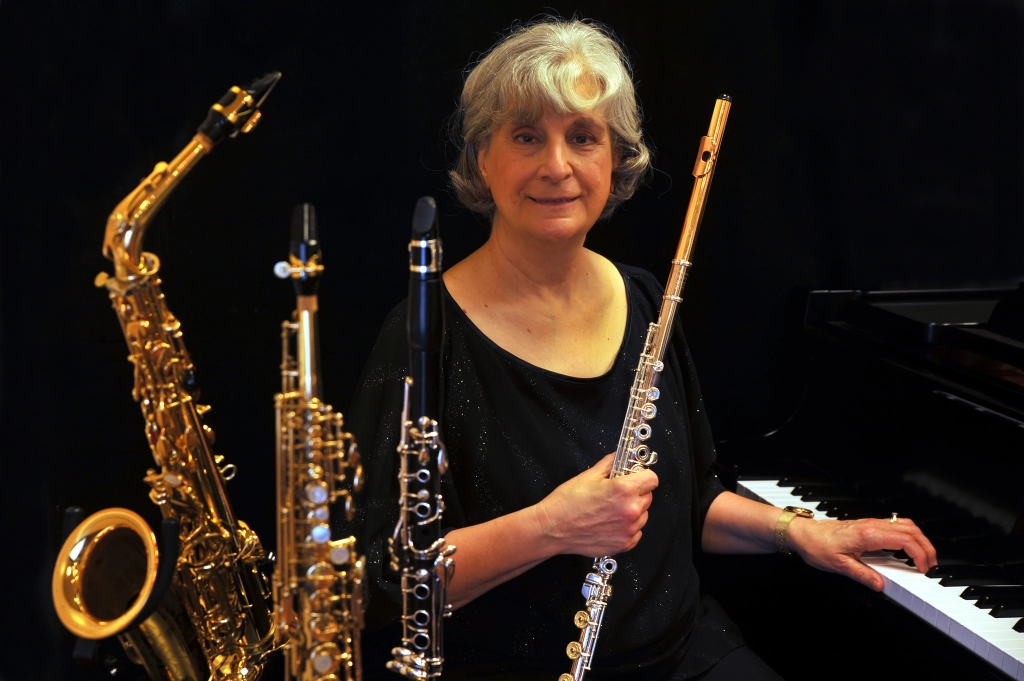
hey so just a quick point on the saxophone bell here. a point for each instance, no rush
(113, 579)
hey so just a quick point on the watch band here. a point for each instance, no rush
(782, 526)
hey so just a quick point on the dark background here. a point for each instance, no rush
(872, 144)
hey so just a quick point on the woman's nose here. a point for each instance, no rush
(555, 165)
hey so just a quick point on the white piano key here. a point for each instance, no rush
(991, 638)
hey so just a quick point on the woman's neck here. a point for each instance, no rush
(562, 309)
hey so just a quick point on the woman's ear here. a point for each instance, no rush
(481, 156)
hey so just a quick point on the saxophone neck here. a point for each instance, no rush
(126, 226)
(237, 111)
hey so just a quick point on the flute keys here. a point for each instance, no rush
(582, 619)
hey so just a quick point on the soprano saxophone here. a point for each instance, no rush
(418, 551)
(632, 454)
(318, 582)
(194, 607)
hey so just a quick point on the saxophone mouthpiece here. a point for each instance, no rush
(305, 255)
(261, 87)
(239, 109)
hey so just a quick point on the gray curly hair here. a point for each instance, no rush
(551, 64)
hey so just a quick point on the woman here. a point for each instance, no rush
(543, 337)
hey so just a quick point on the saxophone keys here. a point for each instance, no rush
(325, 658)
(582, 619)
(565, 677)
(573, 651)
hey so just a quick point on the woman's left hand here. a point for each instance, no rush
(836, 545)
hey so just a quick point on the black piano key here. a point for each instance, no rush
(959, 568)
(992, 601)
(1008, 610)
(978, 580)
(825, 495)
(1019, 626)
(1007, 590)
(793, 480)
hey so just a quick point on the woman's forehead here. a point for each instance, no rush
(589, 117)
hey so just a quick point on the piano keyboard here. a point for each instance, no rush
(995, 639)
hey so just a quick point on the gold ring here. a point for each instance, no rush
(893, 518)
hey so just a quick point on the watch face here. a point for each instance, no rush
(802, 512)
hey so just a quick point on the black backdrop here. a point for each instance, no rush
(872, 144)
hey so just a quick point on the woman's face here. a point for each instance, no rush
(550, 179)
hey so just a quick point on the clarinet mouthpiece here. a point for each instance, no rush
(424, 218)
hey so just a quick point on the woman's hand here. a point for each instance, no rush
(590, 514)
(836, 545)
(594, 515)
(738, 525)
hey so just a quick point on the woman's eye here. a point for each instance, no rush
(581, 138)
(525, 138)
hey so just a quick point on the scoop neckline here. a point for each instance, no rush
(626, 282)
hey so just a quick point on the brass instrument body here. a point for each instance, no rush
(318, 582)
(213, 621)
(632, 454)
(419, 552)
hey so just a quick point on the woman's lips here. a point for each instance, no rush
(555, 201)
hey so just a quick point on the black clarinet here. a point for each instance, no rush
(418, 551)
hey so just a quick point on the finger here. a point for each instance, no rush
(641, 522)
(859, 572)
(894, 540)
(645, 481)
(930, 555)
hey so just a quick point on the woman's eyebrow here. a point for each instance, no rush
(588, 122)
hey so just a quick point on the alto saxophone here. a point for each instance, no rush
(418, 551)
(318, 582)
(195, 607)
(632, 454)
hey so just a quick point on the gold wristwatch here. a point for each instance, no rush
(782, 526)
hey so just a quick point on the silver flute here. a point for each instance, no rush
(633, 454)
(418, 551)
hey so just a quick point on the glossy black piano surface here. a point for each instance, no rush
(914, 404)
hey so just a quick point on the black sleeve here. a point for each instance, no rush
(375, 419)
(706, 482)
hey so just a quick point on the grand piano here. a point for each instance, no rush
(914, 405)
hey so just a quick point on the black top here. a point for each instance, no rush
(514, 432)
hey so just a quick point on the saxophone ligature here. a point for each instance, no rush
(318, 582)
(419, 553)
(632, 453)
(195, 606)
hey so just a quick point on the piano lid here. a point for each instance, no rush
(954, 339)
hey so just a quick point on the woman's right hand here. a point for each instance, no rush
(594, 515)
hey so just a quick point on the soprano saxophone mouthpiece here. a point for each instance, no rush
(239, 109)
(305, 255)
